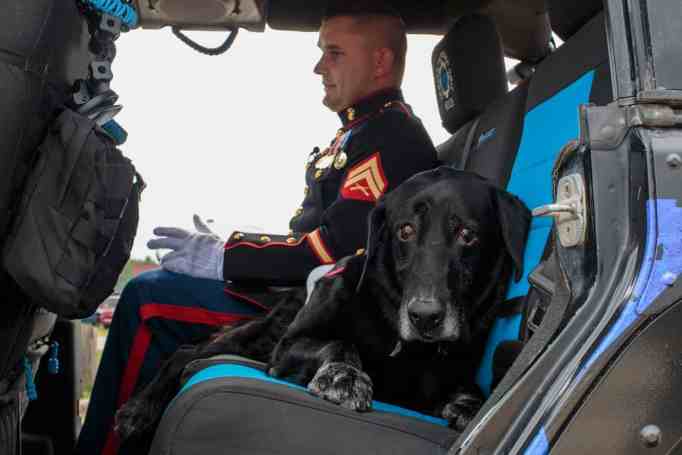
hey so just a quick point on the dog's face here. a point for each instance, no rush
(445, 233)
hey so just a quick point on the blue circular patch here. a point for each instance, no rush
(444, 80)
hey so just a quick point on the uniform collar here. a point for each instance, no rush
(368, 105)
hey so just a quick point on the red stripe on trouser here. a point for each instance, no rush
(141, 343)
(245, 298)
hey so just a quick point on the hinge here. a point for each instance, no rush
(569, 210)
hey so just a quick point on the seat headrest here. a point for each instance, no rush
(468, 70)
(568, 17)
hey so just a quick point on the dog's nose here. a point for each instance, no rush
(425, 315)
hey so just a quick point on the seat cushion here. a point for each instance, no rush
(232, 406)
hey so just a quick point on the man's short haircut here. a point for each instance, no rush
(370, 12)
(358, 8)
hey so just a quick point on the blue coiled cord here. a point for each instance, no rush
(31, 391)
(117, 8)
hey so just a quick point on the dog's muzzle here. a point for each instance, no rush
(426, 316)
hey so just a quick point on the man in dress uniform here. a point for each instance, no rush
(201, 283)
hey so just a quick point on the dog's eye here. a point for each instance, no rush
(406, 232)
(467, 237)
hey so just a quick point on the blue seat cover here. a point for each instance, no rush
(546, 129)
(228, 370)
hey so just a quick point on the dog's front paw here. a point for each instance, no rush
(343, 384)
(461, 410)
(133, 419)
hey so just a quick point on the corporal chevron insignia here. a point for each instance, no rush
(365, 181)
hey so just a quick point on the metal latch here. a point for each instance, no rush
(569, 211)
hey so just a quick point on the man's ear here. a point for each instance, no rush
(376, 233)
(384, 60)
(514, 219)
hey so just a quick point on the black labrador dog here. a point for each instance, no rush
(404, 322)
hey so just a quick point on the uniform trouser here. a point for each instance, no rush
(158, 311)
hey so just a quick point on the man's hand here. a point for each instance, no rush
(198, 254)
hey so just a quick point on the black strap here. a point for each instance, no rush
(543, 282)
(23, 63)
(511, 307)
(468, 145)
(206, 50)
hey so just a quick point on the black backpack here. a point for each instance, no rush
(76, 220)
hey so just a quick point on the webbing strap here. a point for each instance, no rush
(23, 63)
(541, 290)
(468, 145)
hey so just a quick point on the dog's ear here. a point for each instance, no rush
(514, 219)
(376, 233)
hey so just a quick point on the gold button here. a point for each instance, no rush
(351, 114)
(291, 232)
(299, 211)
(360, 252)
(265, 238)
(306, 190)
(238, 236)
(318, 174)
(291, 240)
(340, 160)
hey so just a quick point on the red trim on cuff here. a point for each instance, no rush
(264, 245)
(319, 248)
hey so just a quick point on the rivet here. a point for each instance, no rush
(609, 132)
(650, 436)
(668, 278)
(673, 160)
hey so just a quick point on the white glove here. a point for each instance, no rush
(198, 254)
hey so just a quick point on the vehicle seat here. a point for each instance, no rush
(468, 78)
(515, 143)
(577, 73)
(230, 404)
